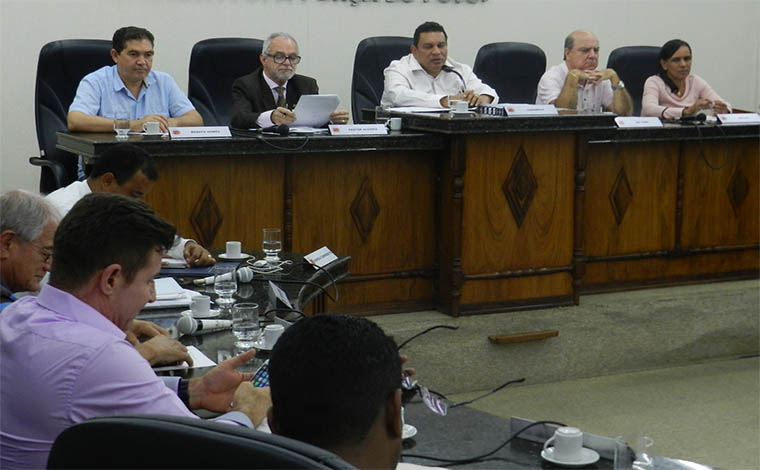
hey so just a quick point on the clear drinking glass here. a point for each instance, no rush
(245, 324)
(382, 114)
(121, 125)
(272, 244)
(225, 285)
(633, 452)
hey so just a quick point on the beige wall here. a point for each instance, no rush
(723, 34)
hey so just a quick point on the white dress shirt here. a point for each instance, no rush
(64, 199)
(408, 84)
(596, 95)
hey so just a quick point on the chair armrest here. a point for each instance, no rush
(56, 168)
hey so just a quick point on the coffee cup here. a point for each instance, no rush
(152, 127)
(200, 305)
(568, 444)
(271, 335)
(461, 107)
(233, 249)
(395, 123)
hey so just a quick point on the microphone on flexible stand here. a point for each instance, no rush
(244, 274)
(281, 129)
(448, 68)
(188, 325)
(701, 117)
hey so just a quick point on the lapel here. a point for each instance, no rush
(266, 92)
(292, 94)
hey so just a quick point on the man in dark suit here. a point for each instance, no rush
(266, 96)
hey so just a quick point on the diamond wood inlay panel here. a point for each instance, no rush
(737, 190)
(206, 217)
(520, 186)
(364, 209)
(620, 196)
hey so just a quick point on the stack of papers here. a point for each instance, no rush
(169, 294)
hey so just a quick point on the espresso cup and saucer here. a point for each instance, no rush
(233, 250)
(568, 448)
(269, 337)
(200, 307)
(152, 128)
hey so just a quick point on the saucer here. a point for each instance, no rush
(408, 432)
(213, 313)
(259, 345)
(157, 133)
(588, 457)
(242, 256)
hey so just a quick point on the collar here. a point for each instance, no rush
(5, 291)
(118, 83)
(272, 84)
(415, 66)
(68, 306)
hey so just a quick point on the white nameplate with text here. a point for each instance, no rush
(358, 129)
(199, 132)
(739, 118)
(636, 121)
(530, 109)
(321, 257)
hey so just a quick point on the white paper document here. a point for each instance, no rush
(199, 360)
(169, 294)
(314, 110)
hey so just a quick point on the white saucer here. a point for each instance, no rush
(213, 313)
(588, 457)
(259, 344)
(151, 134)
(408, 432)
(242, 256)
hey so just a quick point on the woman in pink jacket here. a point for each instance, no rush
(674, 92)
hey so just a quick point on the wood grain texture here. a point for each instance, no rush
(520, 288)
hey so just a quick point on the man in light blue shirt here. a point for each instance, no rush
(130, 90)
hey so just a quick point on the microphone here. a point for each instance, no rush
(188, 325)
(448, 68)
(282, 129)
(244, 274)
(701, 117)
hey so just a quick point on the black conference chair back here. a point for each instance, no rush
(214, 65)
(634, 64)
(60, 68)
(513, 69)
(373, 55)
(154, 441)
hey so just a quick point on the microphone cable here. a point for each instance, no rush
(448, 68)
(257, 135)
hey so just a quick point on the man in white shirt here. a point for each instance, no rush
(428, 77)
(577, 84)
(128, 170)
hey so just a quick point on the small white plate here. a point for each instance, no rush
(146, 133)
(259, 344)
(213, 313)
(408, 432)
(242, 256)
(588, 457)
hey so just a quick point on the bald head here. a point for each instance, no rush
(581, 50)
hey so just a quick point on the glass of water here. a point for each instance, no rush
(225, 285)
(382, 114)
(272, 244)
(245, 324)
(121, 125)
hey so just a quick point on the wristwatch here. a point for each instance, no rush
(619, 86)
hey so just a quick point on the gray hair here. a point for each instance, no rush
(273, 36)
(26, 213)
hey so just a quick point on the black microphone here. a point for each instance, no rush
(695, 118)
(282, 129)
(448, 68)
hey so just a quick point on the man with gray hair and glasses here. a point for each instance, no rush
(27, 227)
(267, 96)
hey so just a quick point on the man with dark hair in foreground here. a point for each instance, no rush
(65, 358)
(352, 372)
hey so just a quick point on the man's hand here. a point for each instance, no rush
(252, 401)
(164, 350)
(196, 255)
(215, 391)
(140, 328)
(282, 116)
(339, 117)
(162, 121)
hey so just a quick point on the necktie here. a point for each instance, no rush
(280, 96)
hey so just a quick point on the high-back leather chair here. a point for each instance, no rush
(60, 68)
(214, 65)
(634, 64)
(156, 441)
(373, 55)
(513, 69)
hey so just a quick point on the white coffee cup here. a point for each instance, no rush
(233, 249)
(200, 305)
(151, 127)
(271, 335)
(568, 443)
(395, 123)
(461, 107)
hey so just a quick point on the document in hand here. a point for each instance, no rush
(314, 110)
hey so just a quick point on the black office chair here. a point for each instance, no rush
(214, 65)
(373, 55)
(157, 441)
(634, 64)
(60, 67)
(513, 69)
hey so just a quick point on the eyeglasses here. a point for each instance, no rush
(47, 253)
(437, 402)
(281, 58)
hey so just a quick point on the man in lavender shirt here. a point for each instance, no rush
(64, 356)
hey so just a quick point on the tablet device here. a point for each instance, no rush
(314, 110)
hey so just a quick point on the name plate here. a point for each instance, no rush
(358, 129)
(199, 132)
(279, 294)
(530, 109)
(739, 118)
(635, 121)
(321, 257)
